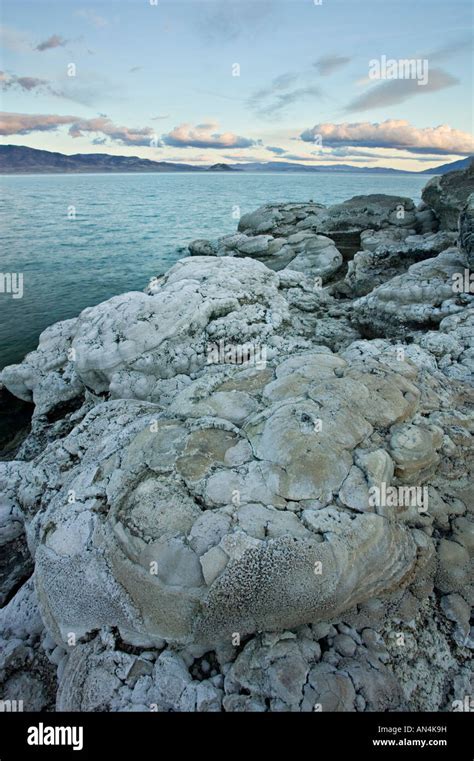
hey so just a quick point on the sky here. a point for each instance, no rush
(208, 81)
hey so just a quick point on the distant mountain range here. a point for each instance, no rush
(283, 166)
(18, 159)
(452, 167)
(288, 166)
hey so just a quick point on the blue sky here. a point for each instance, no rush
(158, 80)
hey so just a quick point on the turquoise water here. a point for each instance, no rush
(129, 228)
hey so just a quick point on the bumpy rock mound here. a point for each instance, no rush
(197, 521)
(386, 255)
(446, 195)
(280, 234)
(422, 296)
(127, 345)
(357, 214)
(315, 255)
(343, 222)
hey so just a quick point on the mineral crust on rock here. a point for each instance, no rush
(244, 487)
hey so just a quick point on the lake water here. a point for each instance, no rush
(129, 228)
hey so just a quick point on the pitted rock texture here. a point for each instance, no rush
(195, 520)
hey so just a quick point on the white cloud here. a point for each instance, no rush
(393, 133)
(205, 136)
(23, 124)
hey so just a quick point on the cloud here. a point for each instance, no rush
(317, 158)
(55, 41)
(332, 158)
(226, 22)
(353, 154)
(330, 63)
(30, 83)
(281, 102)
(205, 136)
(274, 149)
(350, 153)
(282, 82)
(91, 89)
(346, 152)
(23, 124)
(72, 88)
(121, 135)
(444, 53)
(239, 157)
(134, 69)
(92, 17)
(450, 50)
(271, 101)
(394, 91)
(199, 159)
(22, 83)
(297, 157)
(101, 127)
(397, 134)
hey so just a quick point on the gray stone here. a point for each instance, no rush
(446, 194)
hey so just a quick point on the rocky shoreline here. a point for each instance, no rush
(209, 534)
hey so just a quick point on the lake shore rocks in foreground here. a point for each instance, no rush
(249, 487)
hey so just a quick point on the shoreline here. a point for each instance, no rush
(208, 171)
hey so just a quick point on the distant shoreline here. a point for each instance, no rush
(204, 172)
(21, 160)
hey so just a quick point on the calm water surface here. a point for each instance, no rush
(129, 228)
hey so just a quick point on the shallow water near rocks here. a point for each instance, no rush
(129, 228)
